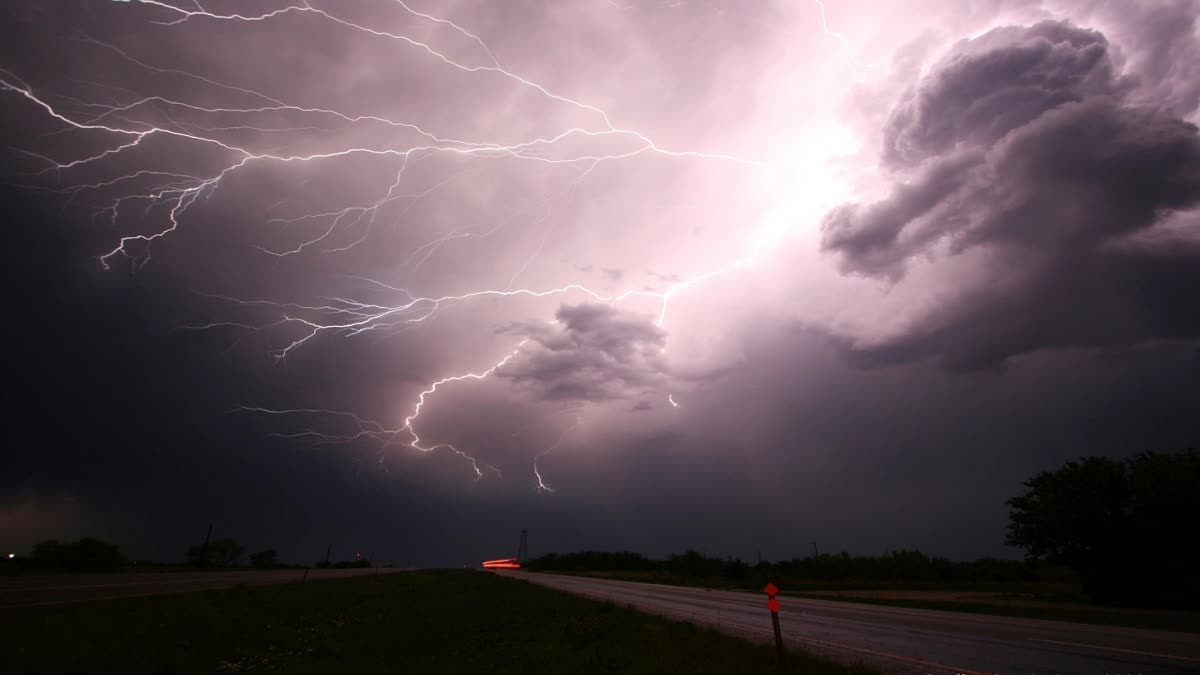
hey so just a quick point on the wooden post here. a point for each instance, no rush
(778, 641)
(773, 605)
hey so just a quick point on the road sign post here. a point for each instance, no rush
(772, 604)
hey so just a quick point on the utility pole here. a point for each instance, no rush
(523, 547)
(328, 551)
(816, 553)
(204, 547)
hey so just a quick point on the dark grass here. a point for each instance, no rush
(426, 622)
(1081, 610)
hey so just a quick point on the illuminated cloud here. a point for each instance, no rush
(591, 353)
(596, 268)
(1027, 148)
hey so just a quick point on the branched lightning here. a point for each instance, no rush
(537, 474)
(124, 123)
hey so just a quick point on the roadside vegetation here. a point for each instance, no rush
(902, 568)
(426, 622)
(1127, 527)
(95, 555)
(1106, 541)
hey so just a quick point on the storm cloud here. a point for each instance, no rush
(733, 276)
(590, 353)
(1028, 148)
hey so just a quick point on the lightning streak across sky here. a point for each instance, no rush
(126, 122)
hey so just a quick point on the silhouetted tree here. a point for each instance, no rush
(735, 570)
(217, 553)
(899, 565)
(694, 564)
(594, 561)
(1126, 526)
(86, 555)
(265, 559)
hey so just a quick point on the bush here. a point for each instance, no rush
(598, 561)
(265, 559)
(216, 553)
(85, 555)
(1124, 526)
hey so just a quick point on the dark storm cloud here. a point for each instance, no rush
(1167, 61)
(1027, 147)
(1051, 156)
(592, 352)
(996, 83)
(869, 235)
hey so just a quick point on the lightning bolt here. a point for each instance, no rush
(537, 474)
(408, 421)
(828, 31)
(125, 123)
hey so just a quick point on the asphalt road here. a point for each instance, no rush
(905, 640)
(57, 590)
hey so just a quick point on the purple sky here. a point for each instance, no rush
(410, 276)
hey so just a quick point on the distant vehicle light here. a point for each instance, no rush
(11, 556)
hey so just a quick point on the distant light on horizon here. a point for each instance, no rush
(11, 556)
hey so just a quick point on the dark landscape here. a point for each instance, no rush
(600, 336)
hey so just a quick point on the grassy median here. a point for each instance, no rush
(416, 622)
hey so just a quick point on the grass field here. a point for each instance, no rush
(1054, 602)
(425, 622)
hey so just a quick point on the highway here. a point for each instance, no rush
(57, 590)
(904, 640)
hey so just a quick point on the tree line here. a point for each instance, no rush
(1127, 527)
(899, 565)
(1124, 529)
(95, 555)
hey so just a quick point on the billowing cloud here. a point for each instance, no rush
(592, 352)
(1166, 53)
(1027, 147)
(989, 86)
(426, 173)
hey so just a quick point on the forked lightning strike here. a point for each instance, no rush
(388, 437)
(541, 483)
(178, 192)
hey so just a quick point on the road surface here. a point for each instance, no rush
(56, 590)
(901, 639)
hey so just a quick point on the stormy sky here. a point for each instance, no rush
(408, 277)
